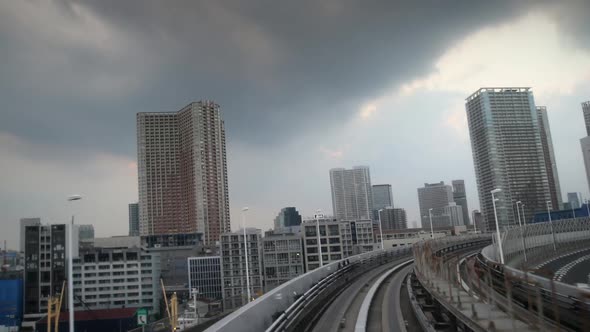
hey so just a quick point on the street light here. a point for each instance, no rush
(431, 228)
(246, 253)
(494, 199)
(318, 215)
(551, 224)
(521, 232)
(71, 267)
(380, 228)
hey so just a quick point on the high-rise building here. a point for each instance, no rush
(288, 217)
(382, 198)
(352, 197)
(575, 200)
(45, 265)
(282, 258)
(182, 171)
(507, 152)
(477, 219)
(233, 267)
(585, 142)
(586, 110)
(460, 197)
(549, 157)
(24, 222)
(86, 233)
(134, 219)
(393, 218)
(434, 196)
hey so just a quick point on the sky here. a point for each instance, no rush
(304, 86)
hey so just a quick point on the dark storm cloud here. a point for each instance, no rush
(277, 68)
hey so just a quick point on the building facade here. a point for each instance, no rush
(434, 196)
(86, 233)
(24, 222)
(282, 258)
(204, 276)
(45, 266)
(330, 239)
(549, 157)
(134, 219)
(454, 213)
(288, 217)
(586, 111)
(182, 172)
(382, 198)
(460, 198)
(393, 218)
(233, 266)
(585, 145)
(352, 197)
(507, 152)
(115, 278)
(575, 200)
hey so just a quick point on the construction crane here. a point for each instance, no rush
(172, 308)
(54, 309)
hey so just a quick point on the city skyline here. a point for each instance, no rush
(291, 115)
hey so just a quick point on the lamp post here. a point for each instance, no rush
(246, 254)
(431, 228)
(318, 215)
(521, 232)
(71, 267)
(551, 224)
(380, 228)
(494, 199)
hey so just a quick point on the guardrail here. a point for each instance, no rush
(260, 314)
(363, 315)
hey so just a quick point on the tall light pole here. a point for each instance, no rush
(318, 215)
(71, 267)
(431, 228)
(474, 223)
(551, 224)
(521, 232)
(380, 228)
(494, 199)
(246, 254)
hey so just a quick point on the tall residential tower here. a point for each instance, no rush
(549, 156)
(585, 142)
(507, 152)
(182, 172)
(352, 197)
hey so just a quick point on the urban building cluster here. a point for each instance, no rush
(180, 240)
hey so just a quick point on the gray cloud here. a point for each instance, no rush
(275, 68)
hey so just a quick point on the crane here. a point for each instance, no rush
(172, 308)
(54, 309)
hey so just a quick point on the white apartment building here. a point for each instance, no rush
(117, 278)
(352, 195)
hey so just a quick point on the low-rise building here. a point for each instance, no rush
(117, 278)
(331, 239)
(407, 237)
(282, 258)
(233, 267)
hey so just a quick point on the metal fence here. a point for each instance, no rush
(540, 239)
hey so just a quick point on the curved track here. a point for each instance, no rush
(385, 313)
(341, 314)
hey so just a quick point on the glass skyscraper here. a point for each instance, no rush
(507, 152)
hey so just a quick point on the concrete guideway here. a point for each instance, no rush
(341, 314)
(362, 321)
